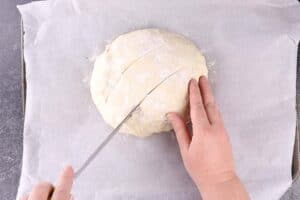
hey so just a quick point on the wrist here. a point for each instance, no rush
(211, 180)
(228, 187)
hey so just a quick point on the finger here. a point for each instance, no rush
(181, 132)
(64, 185)
(41, 191)
(26, 197)
(211, 109)
(197, 111)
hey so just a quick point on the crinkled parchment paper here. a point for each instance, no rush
(252, 45)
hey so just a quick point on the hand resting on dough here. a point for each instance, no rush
(207, 154)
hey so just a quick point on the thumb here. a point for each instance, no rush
(181, 131)
(64, 185)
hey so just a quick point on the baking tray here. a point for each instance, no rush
(296, 154)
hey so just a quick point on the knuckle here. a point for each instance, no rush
(198, 104)
(206, 130)
(210, 105)
(62, 193)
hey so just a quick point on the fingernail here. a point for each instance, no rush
(202, 77)
(193, 82)
(169, 116)
(69, 169)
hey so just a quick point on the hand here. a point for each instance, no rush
(46, 191)
(207, 154)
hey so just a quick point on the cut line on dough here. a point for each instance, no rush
(130, 65)
(159, 84)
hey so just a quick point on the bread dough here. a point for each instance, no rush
(131, 66)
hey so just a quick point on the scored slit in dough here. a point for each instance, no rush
(131, 66)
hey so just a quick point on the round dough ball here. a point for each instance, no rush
(135, 63)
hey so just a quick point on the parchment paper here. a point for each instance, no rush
(252, 46)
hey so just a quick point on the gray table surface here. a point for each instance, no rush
(11, 114)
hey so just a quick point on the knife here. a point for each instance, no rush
(104, 143)
(114, 132)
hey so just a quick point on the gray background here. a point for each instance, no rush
(11, 114)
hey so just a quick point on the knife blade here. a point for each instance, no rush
(104, 143)
(114, 132)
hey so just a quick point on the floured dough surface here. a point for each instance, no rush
(131, 66)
